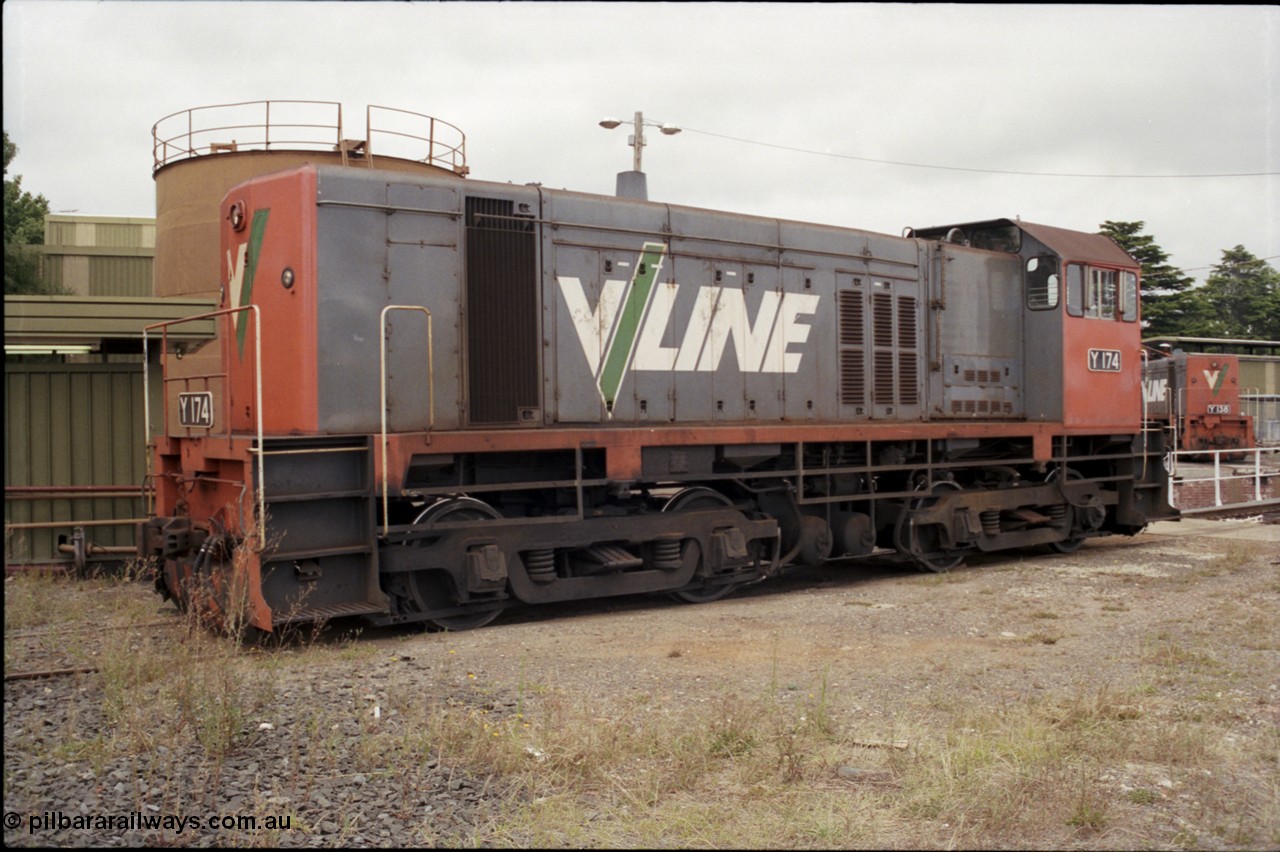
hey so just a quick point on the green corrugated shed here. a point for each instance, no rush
(71, 425)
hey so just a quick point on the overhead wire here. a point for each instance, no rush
(966, 168)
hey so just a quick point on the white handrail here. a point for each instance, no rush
(431, 393)
(257, 382)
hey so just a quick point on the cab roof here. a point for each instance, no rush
(1072, 245)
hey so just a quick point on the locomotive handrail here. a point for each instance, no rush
(382, 382)
(257, 387)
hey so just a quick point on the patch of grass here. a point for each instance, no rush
(1040, 637)
(1177, 657)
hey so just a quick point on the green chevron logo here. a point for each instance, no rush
(621, 346)
(1215, 378)
(241, 272)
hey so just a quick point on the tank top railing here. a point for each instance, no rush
(291, 125)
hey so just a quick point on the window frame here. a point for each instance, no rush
(1048, 297)
(1099, 292)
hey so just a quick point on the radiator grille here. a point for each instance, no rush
(501, 312)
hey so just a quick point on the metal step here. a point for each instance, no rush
(326, 613)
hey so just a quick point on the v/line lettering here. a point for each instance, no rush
(626, 328)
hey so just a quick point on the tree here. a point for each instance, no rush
(1169, 304)
(23, 228)
(1241, 298)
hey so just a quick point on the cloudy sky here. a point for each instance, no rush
(874, 116)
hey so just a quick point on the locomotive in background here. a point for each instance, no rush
(433, 398)
(1197, 397)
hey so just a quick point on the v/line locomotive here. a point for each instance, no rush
(431, 399)
(1197, 398)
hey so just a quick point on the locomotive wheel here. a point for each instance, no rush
(1068, 545)
(924, 543)
(688, 500)
(432, 589)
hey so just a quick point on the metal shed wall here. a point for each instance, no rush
(99, 255)
(71, 425)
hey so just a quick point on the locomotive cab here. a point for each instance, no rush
(1077, 316)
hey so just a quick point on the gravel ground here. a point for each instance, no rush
(287, 768)
(886, 643)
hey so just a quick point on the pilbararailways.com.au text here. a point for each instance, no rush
(140, 821)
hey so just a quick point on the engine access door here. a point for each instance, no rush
(975, 329)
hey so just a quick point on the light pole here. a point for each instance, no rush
(632, 184)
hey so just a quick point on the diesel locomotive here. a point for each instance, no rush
(1197, 397)
(429, 399)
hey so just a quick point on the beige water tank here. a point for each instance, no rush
(200, 153)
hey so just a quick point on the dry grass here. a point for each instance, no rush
(789, 764)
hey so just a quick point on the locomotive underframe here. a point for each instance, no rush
(460, 534)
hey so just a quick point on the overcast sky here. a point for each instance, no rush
(982, 94)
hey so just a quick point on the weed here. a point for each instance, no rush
(1041, 638)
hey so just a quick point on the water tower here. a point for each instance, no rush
(200, 153)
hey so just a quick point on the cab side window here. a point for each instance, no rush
(1101, 293)
(1042, 283)
(1075, 289)
(1129, 296)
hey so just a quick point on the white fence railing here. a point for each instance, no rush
(1209, 481)
(1265, 411)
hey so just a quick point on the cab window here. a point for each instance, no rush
(1129, 296)
(1101, 297)
(1075, 289)
(1042, 283)
(1101, 293)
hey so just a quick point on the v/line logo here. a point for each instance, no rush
(625, 330)
(241, 270)
(1215, 378)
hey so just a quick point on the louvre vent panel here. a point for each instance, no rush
(906, 322)
(882, 320)
(850, 305)
(879, 350)
(908, 392)
(501, 312)
(884, 378)
(853, 383)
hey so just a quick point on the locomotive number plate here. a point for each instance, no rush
(1219, 409)
(195, 410)
(1104, 360)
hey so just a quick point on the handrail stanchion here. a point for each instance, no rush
(431, 395)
